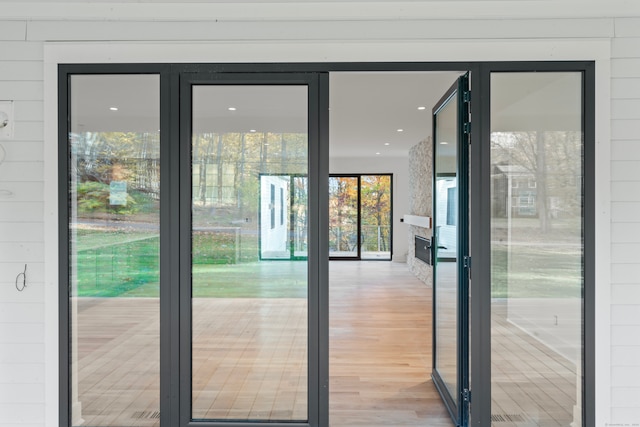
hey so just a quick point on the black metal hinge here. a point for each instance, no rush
(467, 262)
(466, 395)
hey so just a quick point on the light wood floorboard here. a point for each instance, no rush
(250, 358)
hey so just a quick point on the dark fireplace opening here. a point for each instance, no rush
(423, 249)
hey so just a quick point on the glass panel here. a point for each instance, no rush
(275, 215)
(249, 245)
(446, 265)
(375, 219)
(114, 249)
(299, 204)
(537, 249)
(343, 216)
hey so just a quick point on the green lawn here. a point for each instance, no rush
(536, 272)
(115, 263)
(125, 263)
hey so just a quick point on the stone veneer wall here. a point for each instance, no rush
(420, 188)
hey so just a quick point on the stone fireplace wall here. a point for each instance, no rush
(420, 177)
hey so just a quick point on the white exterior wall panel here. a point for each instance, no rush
(626, 293)
(12, 30)
(625, 233)
(23, 391)
(339, 30)
(22, 355)
(626, 88)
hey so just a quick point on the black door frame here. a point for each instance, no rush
(203, 77)
(359, 238)
(479, 199)
(458, 403)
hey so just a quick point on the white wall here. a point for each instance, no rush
(335, 31)
(625, 221)
(274, 242)
(399, 167)
(22, 350)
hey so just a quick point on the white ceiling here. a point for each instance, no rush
(366, 108)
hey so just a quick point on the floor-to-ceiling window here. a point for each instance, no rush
(360, 216)
(537, 248)
(114, 248)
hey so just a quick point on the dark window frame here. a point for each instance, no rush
(360, 238)
(480, 184)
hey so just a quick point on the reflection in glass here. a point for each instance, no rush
(283, 217)
(343, 216)
(446, 273)
(249, 249)
(114, 177)
(537, 249)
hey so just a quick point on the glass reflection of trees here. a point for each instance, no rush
(540, 169)
(226, 170)
(104, 157)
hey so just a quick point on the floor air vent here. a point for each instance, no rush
(146, 415)
(508, 418)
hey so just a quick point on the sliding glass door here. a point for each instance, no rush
(360, 217)
(344, 217)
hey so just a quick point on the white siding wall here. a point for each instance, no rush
(22, 338)
(22, 354)
(625, 224)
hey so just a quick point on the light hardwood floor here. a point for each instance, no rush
(250, 355)
(380, 347)
(250, 358)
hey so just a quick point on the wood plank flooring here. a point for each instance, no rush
(250, 358)
(532, 385)
(380, 347)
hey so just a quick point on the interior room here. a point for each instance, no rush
(246, 284)
(380, 307)
(381, 311)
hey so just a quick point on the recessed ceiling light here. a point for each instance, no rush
(386, 143)
(252, 130)
(444, 143)
(400, 130)
(231, 108)
(422, 108)
(377, 153)
(113, 108)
